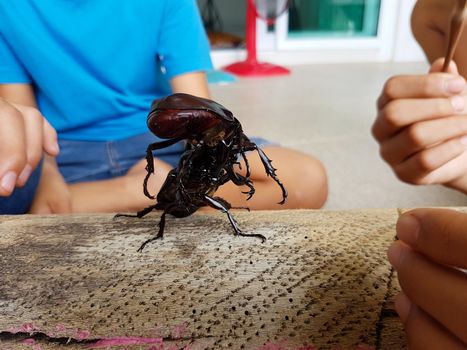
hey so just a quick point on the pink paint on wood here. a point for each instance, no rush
(29, 341)
(25, 328)
(60, 328)
(179, 331)
(82, 334)
(120, 341)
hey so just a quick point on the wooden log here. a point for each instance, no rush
(321, 279)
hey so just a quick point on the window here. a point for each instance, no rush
(333, 18)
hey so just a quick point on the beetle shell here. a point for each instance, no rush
(182, 115)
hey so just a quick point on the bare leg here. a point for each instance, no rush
(125, 193)
(122, 194)
(303, 176)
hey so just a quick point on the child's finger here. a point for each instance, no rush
(33, 128)
(437, 233)
(438, 290)
(422, 135)
(403, 112)
(422, 86)
(13, 155)
(50, 143)
(40, 130)
(422, 331)
(418, 166)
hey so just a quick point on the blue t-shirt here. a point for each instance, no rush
(96, 65)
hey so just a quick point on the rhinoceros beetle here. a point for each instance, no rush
(214, 142)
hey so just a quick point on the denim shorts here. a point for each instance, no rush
(20, 200)
(81, 161)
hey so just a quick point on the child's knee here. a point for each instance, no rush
(314, 184)
(306, 181)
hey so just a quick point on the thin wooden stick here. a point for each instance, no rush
(457, 26)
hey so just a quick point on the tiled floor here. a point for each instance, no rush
(327, 110)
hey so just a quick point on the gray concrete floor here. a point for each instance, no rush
(327, 111)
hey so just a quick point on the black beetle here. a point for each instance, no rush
(214, 142)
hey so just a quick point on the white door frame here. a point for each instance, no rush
(277, 48)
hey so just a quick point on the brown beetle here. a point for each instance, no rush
(214, 143)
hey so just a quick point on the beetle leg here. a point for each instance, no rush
(186, 158)
(150, 162)
(241, 180)
(184, 194)
(160, 233)
(224, 206)
(139, 214)
(267, 163)
(271, 171)
(247, 165)
(228, 205)
(251, 192)
(244, 179)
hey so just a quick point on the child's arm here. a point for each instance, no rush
(431, 21)
(428, 259)
(430, 25)
(24, 135)
(191, 83)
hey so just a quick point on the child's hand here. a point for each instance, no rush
(24, 134)
(428, 260)
(422, 127)
(53, 195)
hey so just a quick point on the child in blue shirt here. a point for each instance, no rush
(93, 68)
